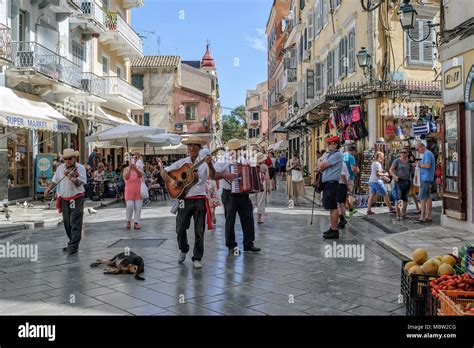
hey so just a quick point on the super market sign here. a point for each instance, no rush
(17, 121)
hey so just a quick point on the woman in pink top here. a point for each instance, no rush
(133, 180)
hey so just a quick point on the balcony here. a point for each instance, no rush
(290, 84)
(120, 94)
(5, 45)
(43, 68)
(91, 18)
(64, 7)
(128, 4)
(94, 88)
(121, 37)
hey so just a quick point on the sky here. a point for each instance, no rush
(235, 28)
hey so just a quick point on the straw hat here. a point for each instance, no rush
(193, 140)
(67, 153)
(261, 157)
(235, 144)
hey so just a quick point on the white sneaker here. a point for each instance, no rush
(182, 257)
(197, 264)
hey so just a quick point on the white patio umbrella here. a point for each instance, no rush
(158, 140)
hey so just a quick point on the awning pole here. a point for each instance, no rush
(144, 150)
(154, 152)
(126, 140)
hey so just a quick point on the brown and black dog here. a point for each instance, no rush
(128, 263)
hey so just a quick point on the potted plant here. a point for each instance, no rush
(306, 176)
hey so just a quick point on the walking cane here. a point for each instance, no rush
(312, 209)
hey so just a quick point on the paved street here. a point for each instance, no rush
(291, 276)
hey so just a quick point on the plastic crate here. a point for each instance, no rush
(416, 285)
(470, 261)
(432, 305)
(416, 307)
(448, 300)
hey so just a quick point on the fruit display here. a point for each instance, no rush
(467, 309)
(437, 266)
(452, 282)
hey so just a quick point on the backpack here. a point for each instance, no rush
(360, 130)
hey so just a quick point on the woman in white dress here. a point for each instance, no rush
(265, 179)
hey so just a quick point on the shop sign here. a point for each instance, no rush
(469, 90)
(17, 121)
(398, 76)
(453, 77)
(43, 172)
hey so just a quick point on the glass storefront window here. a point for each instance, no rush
(452, 160)
(18, 158)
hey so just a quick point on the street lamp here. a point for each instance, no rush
(364, 59)
(407, 15)
(205, 122)
(296, 107)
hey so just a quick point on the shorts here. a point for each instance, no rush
(403, 188)
(271, 172)
(342, 193)
(330, 189)
(425, 190)
(377, 186)
(282, 169)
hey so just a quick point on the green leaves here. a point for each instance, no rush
(235, 124)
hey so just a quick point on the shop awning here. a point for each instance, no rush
(171, 150)
(112, 117)
(279, 145)
(25, 110)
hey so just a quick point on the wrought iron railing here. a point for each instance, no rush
(5, 42)
(117, 86)
(31, 55)
(93, 84)
(91, 10)
(115, 23)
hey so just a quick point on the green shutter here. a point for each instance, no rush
(146, 119)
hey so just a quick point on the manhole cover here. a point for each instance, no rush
(137, 243)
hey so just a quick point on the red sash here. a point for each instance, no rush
(208, 210)
(59, 198)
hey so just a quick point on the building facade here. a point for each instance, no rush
(64, 62)
(257, 116)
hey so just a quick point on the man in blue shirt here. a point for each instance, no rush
(283, 161)
(351, 164)
(427, 173)
(331, 167)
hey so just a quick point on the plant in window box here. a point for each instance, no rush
(112, 20)
(306, 176)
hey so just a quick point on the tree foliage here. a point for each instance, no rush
(235, 124)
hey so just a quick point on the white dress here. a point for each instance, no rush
(262, 196)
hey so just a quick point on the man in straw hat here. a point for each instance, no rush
(236, 203)
(195, 204)
(71, 177)
(331, 167)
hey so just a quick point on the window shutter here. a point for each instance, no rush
(301, 48)
(351, 51)
(325, 11)
(330, 68)
(318, 77)
(305, 39)
(427, 44)
(146, 119)
(310, 83)
(15, 23)
(311, 29)
(302, 3)
(318, 16)
(414, 51)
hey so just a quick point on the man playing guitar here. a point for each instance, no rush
(195, 204)
(70, 177)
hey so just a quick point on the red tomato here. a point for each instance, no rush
(451, 288)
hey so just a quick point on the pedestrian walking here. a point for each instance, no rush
(236, 203)
(283, 161)
(261, 197)
(94, 159)
(133, 177)
(342, 195)
(331, 167)
(427, 167)
(195, 204)
(274, 170)
(295, 181)
(401, 172)
(377, 180)
(70, 178)
(212, 192)
(351, 163)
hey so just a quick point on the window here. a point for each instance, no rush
(310, 84)
(317, 17)
(343, 61)
(301, 48)
(119, 71)
(319, 77)
(77, 53)
(351, 51)
(420, 52)
(310, 29)
(335, 4)
(324, 12)
(330, 68)
(22, 25)
(137, 81)
(146, 119)
(254, 132)
(302, 4)
(255, 116)
(305, 39)
(191, 112)
(105, 66)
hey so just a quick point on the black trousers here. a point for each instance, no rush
(73, 213)
(238, 203)
(196, 209)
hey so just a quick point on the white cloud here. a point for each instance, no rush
(258, 42)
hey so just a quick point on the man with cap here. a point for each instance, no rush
(236, 203)
(331, 167)
(70, 177)
(351, 163)
(195, 204)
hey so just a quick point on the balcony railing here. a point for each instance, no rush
(117, 86)
(93, 11)
(5, 42)
(31, 55)
(93, 84)
(115, 23)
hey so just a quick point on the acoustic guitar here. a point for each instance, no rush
(186, 177)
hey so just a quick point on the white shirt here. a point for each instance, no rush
(273, 161)
(224, 166)
(66, 188)
(199, 189)
(375, 167)
(344, 172)
(139, 164)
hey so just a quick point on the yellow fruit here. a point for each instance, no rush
(410, 265)
(445, 269)
(439, 257)
(449, 260)
(416, 270)
(420, 256)
(430, 267)
(435, 260)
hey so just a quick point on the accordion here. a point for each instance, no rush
(247, 179)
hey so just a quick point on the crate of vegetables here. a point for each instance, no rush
(456, 302)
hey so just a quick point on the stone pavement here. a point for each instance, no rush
(292, 275)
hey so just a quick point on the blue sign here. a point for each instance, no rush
(398, 76)
(468, 103)
(43, 171)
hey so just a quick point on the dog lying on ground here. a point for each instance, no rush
(128, 263)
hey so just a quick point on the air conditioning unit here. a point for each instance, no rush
(185, 128)
(306, 55)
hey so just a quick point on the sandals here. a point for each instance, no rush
(370, 213)
(136, 226)
(418, 221)
(129, 225)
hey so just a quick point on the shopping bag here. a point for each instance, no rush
(296, 175)
(144, 191)
(416, 179)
